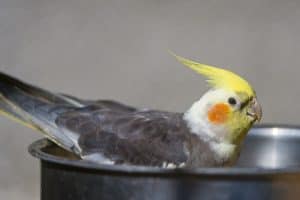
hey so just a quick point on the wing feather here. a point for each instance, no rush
(141, 138)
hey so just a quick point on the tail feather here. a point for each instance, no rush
(34, 107)
(7, 110)
(30, 89)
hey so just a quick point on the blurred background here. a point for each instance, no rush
(117, 49)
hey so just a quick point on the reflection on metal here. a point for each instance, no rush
(274, 132)
(274, 153)
(268, 156)
(269, 168)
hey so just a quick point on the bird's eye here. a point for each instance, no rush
(232, 101)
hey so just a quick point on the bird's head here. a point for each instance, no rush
(228, 110)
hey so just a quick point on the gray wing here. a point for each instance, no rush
(118, 132)
(139, 138)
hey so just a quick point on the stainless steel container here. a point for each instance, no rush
(269, 168)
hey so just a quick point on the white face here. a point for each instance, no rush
(213, 97)
(197, 115)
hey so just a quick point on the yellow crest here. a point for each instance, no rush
(219, 78)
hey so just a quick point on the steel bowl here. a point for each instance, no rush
(269, 168)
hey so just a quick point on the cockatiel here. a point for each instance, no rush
(209, 134)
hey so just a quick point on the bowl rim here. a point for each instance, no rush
(35, 149)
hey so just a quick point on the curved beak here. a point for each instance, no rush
(255, 110)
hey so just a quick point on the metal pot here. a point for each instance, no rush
(269, 168)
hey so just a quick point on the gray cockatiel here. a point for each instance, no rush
(209, 133)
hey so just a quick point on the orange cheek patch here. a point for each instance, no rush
(218, 114)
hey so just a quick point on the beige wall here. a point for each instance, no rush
(118, 49)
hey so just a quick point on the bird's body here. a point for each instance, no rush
(111, 132)
(140, 137)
